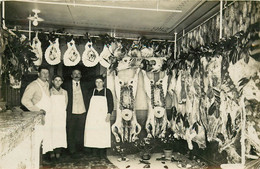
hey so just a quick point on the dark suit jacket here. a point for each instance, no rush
(68, 86)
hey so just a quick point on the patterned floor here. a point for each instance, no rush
(84, 162)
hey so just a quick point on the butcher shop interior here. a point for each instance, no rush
(181, 82)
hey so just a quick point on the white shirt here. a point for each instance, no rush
(78, 106)
(33, 94)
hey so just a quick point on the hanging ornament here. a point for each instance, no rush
(71, 56)
(37, 49)
(90, 57)
(53, 53)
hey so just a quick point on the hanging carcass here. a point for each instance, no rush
(126, 128)
(157, 122)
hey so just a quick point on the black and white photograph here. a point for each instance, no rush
(130, 84)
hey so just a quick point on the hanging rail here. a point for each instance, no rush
(95, 36)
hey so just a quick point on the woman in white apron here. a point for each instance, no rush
(59, 100)
(97, 127)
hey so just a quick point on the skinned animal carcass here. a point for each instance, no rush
(126, 128)
(157, 121)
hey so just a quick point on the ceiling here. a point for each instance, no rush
(106, 16)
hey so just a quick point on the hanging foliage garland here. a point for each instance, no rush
(17, 58)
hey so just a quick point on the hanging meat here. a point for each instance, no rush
(119, 52)
(147, 52)
(211, 101)
(185, 122)
(71, 55)
(135, 50)
(90, 57)
(3, 40)
(53, 53)
(248, 82)
(179, 121)
(157, 122)
(153, 64)
(106, 56)
(37, 49)
(126, 128)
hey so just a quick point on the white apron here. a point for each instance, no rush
(45, 104)
(97, 130)
(58, 112)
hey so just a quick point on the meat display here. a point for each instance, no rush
(90, 57)
(71, 55)
(126, 128)
(157, 122)
(37, 49)
(105, 56)
(53, 53)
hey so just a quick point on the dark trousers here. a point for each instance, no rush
(75, 132)
(99, 152)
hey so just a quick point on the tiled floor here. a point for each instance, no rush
(133, 162)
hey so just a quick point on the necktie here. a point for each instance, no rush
(77, 84)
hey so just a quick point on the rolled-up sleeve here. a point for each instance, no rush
(27, 99)
(110, 102)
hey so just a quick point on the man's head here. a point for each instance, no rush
(43, 73)
(57, 81)
(76, 75)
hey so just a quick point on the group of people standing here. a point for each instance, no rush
(76, 118)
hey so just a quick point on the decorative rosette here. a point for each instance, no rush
(53, 53)
(37, 49)
(71, 56)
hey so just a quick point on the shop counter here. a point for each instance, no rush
(20, 139)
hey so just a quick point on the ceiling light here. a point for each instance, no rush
(35, 23)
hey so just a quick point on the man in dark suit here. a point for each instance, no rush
(76, 113)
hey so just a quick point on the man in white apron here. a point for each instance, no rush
(97, 128)
(36, 97)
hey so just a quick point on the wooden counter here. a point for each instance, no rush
(20, 140)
